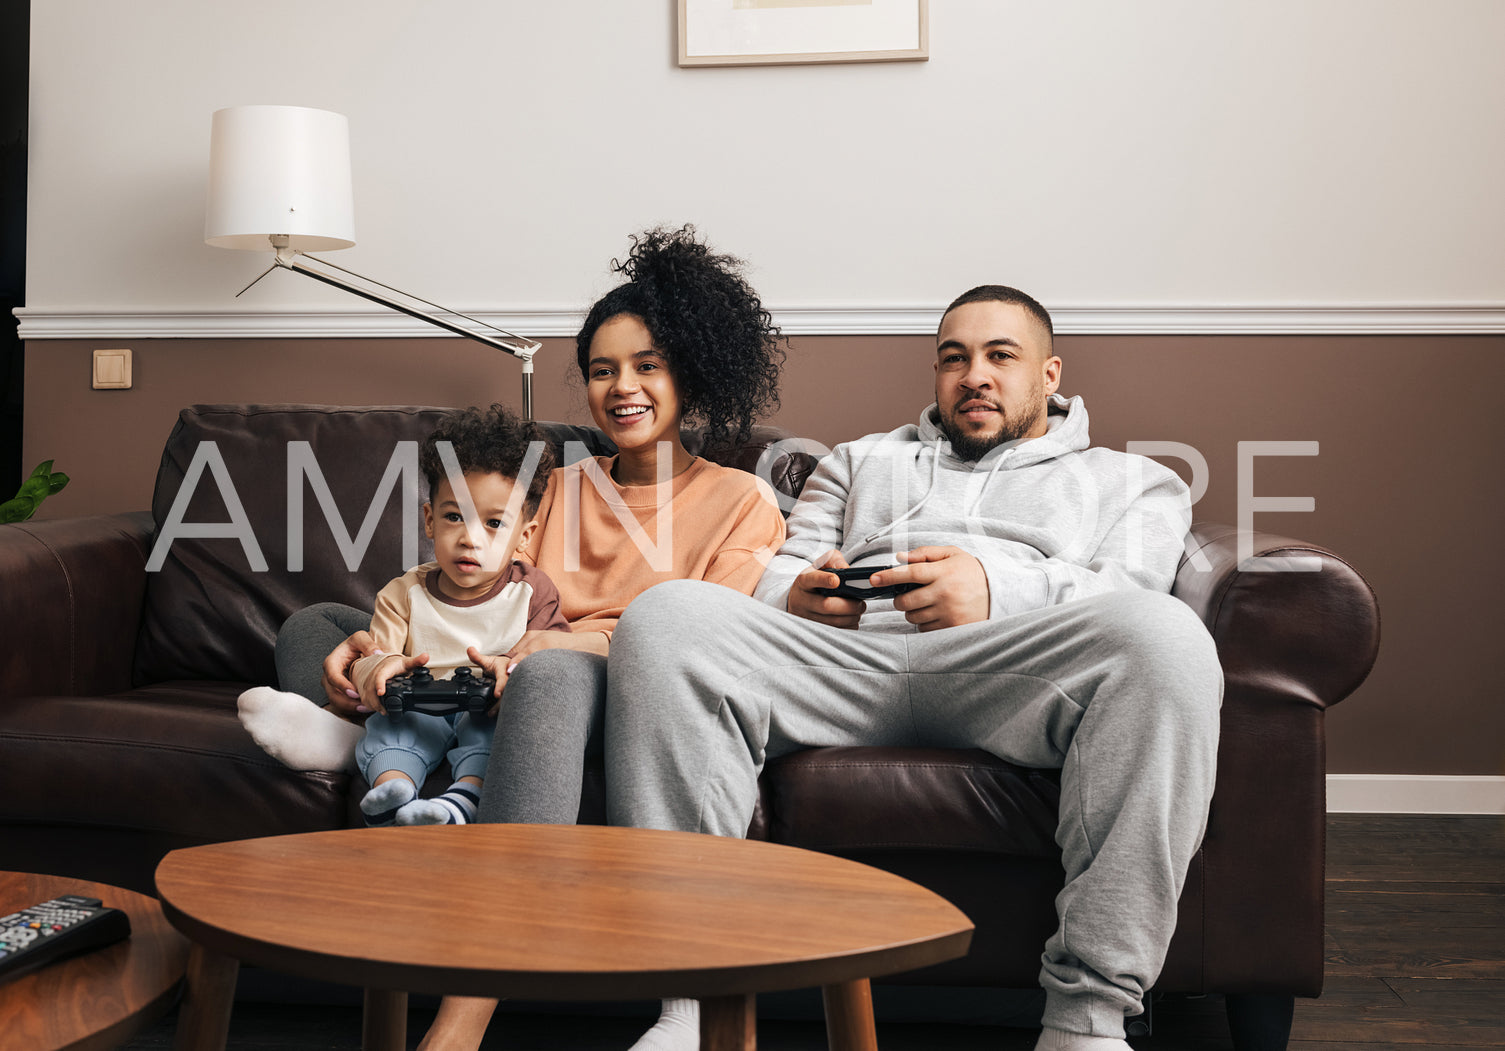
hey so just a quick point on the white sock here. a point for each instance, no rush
(457, 806)
(293, 729)
(678, 1028)
(1059, 1040)
(381, 804)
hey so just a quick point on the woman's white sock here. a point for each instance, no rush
(297, 731)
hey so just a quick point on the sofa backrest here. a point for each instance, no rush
(230, 563)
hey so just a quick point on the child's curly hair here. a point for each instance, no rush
(722, 347)
(492, 440)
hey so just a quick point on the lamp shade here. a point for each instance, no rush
(279, 170)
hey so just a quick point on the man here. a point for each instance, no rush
(1041, 630)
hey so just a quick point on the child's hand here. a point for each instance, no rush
(394, 665)
(501, 667)
(497, 668)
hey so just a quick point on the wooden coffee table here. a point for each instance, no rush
(549, 912)
(102, 998)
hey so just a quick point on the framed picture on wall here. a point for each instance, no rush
(770, 32)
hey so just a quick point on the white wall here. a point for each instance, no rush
(1160, 152)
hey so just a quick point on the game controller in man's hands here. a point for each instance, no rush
(854, 584)
(419, 691)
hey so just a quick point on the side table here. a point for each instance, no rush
(99, 999)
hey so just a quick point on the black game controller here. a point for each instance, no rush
(854, 584)
(419, 691)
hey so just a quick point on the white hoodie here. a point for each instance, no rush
(1050, 519)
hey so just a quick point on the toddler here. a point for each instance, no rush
(473, 599)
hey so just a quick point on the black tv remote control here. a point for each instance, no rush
(51, 930)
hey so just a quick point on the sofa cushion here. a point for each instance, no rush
(169, 759)
(842, 800)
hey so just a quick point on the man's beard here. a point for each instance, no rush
(971, 447)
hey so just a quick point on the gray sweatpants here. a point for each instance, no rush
(306, 638)
(1121, 692)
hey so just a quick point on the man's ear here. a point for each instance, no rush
(1052, 374)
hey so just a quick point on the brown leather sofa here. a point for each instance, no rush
(119, 740)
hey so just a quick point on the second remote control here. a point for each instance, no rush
(52, 930)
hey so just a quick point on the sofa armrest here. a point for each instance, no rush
(1292, 644)
(1311, 635)
(75, 587)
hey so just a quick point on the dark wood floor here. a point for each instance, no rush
(1415, 959)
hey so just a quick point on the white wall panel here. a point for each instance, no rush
(1097, 153)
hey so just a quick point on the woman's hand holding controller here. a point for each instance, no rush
(341, 692)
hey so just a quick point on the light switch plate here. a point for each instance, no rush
(112, 369)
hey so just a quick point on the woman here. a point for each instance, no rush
(684, 338)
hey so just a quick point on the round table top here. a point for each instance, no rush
(554, 912)
(101, 998)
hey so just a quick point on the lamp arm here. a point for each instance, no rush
(517, 346)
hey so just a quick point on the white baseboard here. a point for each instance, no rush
(1414, 794)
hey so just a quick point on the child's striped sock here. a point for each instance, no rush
(457, 806)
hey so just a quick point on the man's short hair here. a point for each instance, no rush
(1005, 294)
(493, 441)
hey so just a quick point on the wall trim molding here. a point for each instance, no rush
(44, 323)
(1414, 794)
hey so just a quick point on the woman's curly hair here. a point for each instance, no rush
(722, 347)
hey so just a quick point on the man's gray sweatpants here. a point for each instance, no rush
(1121, 692)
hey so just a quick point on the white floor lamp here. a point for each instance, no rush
(279, 181)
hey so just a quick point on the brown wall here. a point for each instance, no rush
(1406, 484)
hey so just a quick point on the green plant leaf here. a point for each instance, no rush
(56, 482)
(33, 488)
(17, 510)
(43, 469)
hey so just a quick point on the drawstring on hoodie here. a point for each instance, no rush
(976, 500)
(935, 471)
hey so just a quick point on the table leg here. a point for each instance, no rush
(384, 1022)
(208, 993)
(729, 1023)
(849, 1016)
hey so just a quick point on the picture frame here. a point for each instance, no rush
(781, 32)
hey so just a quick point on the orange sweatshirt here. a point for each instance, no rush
(603, 544)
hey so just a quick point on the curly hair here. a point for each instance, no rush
(722, 347)
(491, 441)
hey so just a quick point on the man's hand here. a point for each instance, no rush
(804, 601)
(341, 692)
(500, 667)
(953, 587)
(376, 686)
